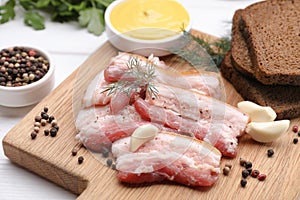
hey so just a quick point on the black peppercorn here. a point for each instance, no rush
(80, 159)
(46, 109)
(270, 152)
(243, 182)
(109, 162)
(56, 127)
(113, 166)
(248, 165)
(245, 173)
(33, 135)
(249, 170)
(44, 115)
(53, 132)
(295, 140)
(46, 132)
(105, 152)
(51, 118)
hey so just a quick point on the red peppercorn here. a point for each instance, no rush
(295, 129)
(254, 173)
(32, 53)
(261, 177)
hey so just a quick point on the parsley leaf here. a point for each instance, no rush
(42, 3)
(92, 18)
(34, 19)
(7, 11)
(27, 4)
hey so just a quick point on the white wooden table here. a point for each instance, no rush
(69, 45)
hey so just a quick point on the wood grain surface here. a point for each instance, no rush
(51, 158)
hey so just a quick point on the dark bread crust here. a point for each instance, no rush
(272, 32)
(240, 57)
(285, 100)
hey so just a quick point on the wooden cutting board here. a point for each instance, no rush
(51, 158)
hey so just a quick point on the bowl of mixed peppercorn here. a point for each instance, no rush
(26, 75)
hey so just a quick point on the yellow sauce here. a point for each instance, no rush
(149, 19)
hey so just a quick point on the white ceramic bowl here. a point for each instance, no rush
(32, 93)
(159, 47)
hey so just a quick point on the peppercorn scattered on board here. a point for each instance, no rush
(51, 157)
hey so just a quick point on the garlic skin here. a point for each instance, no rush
(142, 135)
(265, 132)
(256, 112)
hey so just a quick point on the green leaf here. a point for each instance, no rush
(27, 4)
(92, 18)
(78, 7)
(42, 3)
(55, 2)
(7, 11)
(34, 19)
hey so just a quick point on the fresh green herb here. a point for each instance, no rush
(206, 53)
(92, 18)
(7, 11)
(141, 76)
(217, 49)
(34, 19)
(89, 13)
(196, 55)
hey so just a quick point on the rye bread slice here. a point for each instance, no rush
(285, 100)
(272, 32)
(240, 57)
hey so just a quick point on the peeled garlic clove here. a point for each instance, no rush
(141, 135)
(256, 112)
(267, 131)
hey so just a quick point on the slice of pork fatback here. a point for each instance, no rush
(97, 128)
(200, 116)
(168, 156)
(94, 95)
(207, 83)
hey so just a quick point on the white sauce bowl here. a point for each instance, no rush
(159, 47)
(32, 93)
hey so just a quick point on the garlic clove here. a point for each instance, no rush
(267, 131)
(141, 135)
(256, 112)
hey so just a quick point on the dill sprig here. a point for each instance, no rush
(141, 79)
(216, 50)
